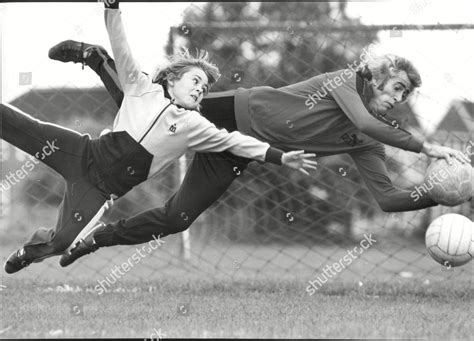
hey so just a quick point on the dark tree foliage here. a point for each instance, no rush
(280, 55)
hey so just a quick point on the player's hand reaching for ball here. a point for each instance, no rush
(299, 160)
(445, 153)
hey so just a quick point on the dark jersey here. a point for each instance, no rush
(327, 115)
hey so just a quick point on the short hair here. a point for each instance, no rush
(183, 61)
(379, 70)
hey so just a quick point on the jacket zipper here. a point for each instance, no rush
(156, 119)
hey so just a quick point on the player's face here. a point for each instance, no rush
(396, 91)
(189, 90)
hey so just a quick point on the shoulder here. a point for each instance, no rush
(344, 79)
(192, 117)
(349, 85)
(140, 83)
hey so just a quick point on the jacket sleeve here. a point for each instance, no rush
(204, 136)
(349, 100)
(129, 72)
(371, 165)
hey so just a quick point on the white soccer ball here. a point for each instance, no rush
(449, 185)
(450, 239)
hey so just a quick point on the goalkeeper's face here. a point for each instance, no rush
(395, 91)
(189, 90)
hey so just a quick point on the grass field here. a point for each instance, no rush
(263, 296)
(231, 290)
(192, 307)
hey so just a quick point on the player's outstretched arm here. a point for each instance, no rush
(204, 136)
(372, 168)
(446, 153)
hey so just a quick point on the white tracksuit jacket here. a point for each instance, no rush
(163, 129)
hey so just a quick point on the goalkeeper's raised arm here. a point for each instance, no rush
(128, 69)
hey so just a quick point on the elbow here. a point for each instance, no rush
(388, 208)
(363, 128)
(387, 205)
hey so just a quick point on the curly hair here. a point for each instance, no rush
(381, 68)
(182, 62)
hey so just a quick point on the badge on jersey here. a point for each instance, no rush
(351, 140)
(172, 129)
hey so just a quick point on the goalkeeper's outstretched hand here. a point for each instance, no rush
(299, 160)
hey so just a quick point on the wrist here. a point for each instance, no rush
(427, 147)
(274, 155)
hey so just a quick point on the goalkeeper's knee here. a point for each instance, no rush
(180, 221)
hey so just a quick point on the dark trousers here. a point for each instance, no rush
(68, 153)
(207, 178)
(104, 66)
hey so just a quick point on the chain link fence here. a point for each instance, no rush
(271, 221)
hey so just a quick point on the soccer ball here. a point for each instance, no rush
(450, 239)
(449, 185)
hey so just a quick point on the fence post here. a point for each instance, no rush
(185, 237)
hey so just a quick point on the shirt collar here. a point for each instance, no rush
(364, 89)
(167, 95)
